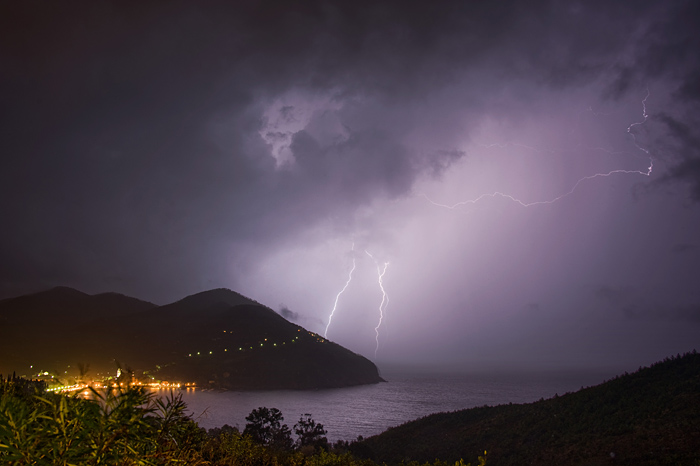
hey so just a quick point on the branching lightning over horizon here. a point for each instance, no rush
(383, 267)
(385, 298)
(335, 305)
(576, 185)
(634, 138)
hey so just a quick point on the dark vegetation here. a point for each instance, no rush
(216, 339)
(131, 426)
(222, 339)
(650, 417)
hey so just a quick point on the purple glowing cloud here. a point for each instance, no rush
(162, 151)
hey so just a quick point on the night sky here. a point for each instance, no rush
(495, 154)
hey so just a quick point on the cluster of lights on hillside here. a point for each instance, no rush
(105, 381)
(261, 344)
(112, 382)
(101, 385)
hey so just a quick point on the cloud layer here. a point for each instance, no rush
(159, 150)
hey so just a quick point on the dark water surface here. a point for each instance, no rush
(370, 409)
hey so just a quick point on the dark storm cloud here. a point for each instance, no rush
(357, 169)
(683, 141)
(288, 313)
(441, 160)
(297, 317)
(667, 50)
(613, 295)
(635, 306)
(533, 308)
(684, 314)
(130, 132)
(683, 248)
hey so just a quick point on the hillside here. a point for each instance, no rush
(650, 417)
(54, 328)
(217, 339)
(62, 303)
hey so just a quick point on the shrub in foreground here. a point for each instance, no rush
(132, 426)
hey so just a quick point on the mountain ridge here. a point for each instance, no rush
(649, 417)
(217, 338)
(58, 303)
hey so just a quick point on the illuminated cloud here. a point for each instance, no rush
(160, 151)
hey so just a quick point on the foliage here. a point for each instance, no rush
(121, 426)
(310, 433)
(265, 427)
(233, 448)
(132, 426)
(650, 417)
(18, 386)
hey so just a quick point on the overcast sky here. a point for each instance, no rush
(530, 171)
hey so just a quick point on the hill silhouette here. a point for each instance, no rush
(53, 329)
(62, 303)
(650, 417)
(218, 339)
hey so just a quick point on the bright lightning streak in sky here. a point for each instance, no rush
(576, 185)
(385, 298)
(335, 305)
(633, 125)
(550, 201)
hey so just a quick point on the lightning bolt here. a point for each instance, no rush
(630, 131)
(550, 201)
(335, 305)
(639, 123)
(385, 298)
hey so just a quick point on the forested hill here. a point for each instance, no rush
(650, 417)
(217, 339)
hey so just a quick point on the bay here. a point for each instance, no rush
(367, 410)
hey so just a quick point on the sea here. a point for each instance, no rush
(347, 413)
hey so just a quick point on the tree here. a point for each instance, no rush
(265, 427)
(309, 433)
